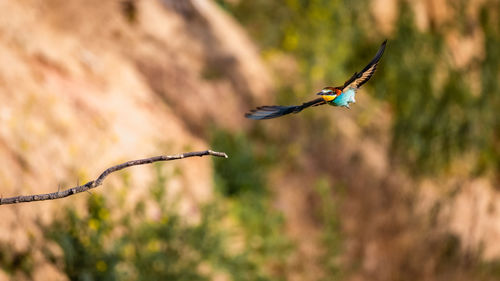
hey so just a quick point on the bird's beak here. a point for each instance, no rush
(327, 98)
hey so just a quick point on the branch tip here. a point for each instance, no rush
(218, 154)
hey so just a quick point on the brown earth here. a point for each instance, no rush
(88, 84)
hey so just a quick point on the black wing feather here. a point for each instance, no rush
(273, 111)
(358, 79)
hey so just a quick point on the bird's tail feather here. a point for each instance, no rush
(273, 111)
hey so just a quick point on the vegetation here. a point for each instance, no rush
(439, 115)
(442, 114)
(238, 234)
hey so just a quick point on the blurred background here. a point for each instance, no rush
(404, 186)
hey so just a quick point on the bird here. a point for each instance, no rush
(336, 96)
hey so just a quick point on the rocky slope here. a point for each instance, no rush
(88, 84)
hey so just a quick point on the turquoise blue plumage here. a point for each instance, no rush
(347, 97)
(336, 96)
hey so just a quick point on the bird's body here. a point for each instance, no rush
(335, 96)
(344, 99)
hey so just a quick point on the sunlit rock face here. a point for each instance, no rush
(89, 84)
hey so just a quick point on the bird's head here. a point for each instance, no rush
(329, 93)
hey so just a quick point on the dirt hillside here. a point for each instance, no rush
(88, 84)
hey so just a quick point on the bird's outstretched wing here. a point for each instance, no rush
(273, 111)
(358, 79)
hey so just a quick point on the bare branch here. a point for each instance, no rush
(100, 179)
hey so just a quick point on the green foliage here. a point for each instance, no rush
(242, 181)
(85, 242)
(437, 115)
(13, 262)
(96, 248)
(490, 88)
(244, 173)
(331, 239)
(432, 123)
(135, 246)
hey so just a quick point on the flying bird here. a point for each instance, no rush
(335, 96)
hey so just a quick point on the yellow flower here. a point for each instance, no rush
(93, 224)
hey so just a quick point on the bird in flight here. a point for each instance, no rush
(335, 96)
